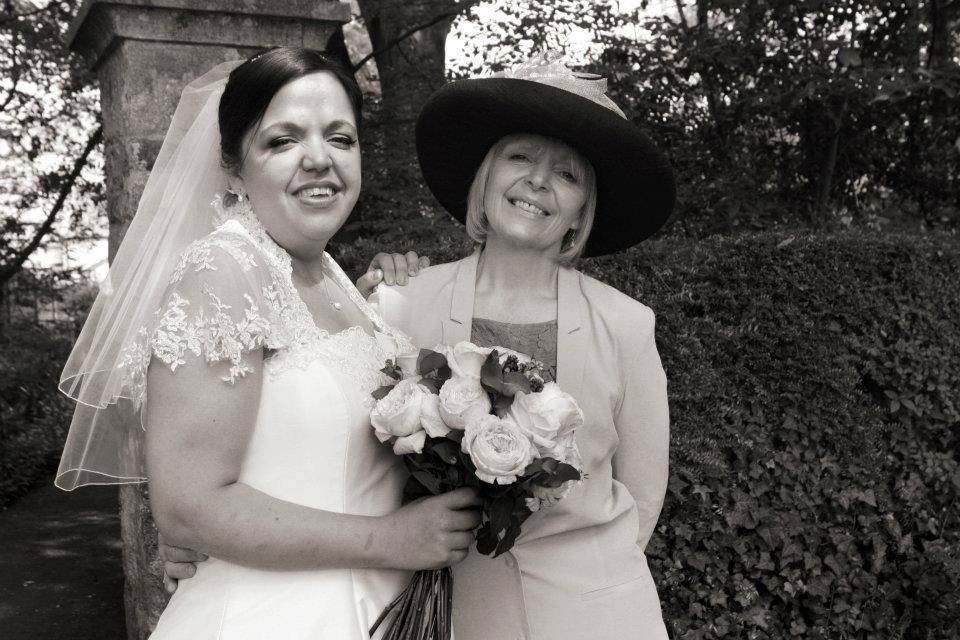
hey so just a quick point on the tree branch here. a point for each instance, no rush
(16, 70)
(681, 16)
(412, 30)
(11, 268)
(11, 16)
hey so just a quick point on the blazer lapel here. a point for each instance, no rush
(571, 335)
(458, 326)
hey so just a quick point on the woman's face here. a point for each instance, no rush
(301, 168)
(535, 192)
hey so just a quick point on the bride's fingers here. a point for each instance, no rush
(464, 520)
(461, 498)
(460, 540)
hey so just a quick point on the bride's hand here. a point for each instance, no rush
(392, 268)
(433, 532)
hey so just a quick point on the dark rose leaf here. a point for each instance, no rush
(500, 511)
(381, 393)
(430, 361)
(448, 451)
(487, 539)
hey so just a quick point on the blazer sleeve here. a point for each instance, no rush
(642, 421)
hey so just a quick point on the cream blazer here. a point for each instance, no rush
(578, 570)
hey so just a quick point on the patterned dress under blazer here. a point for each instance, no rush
(578, 570)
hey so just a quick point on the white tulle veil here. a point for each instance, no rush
(103, 445)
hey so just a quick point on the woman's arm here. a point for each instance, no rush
(643, 425)
(197, 430)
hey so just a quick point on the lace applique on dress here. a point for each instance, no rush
(352, 351)
(266, 312)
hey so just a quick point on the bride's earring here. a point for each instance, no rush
(237, 201)
(238, 192)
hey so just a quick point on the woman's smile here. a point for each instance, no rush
(528, 207)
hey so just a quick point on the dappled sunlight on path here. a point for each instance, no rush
(60, 566)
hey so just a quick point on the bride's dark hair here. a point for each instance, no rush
(253, 84)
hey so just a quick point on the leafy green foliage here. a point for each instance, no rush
(821, 113)
(814, 389)
(34, 416)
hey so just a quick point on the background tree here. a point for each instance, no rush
(806, 113)
(50, 159)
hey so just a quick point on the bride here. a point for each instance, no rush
(249, 357)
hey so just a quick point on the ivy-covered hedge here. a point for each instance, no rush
(815, 400)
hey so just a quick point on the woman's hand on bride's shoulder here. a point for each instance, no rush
(434, 532)
(392, 268)
(178, 563)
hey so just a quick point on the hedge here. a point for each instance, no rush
(814, 386)
(34, 416)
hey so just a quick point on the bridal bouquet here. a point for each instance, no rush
(467, 416)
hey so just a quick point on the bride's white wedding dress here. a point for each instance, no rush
(312, 443)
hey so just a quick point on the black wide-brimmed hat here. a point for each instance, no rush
(461, 122)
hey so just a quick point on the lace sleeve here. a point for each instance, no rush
(218, 307)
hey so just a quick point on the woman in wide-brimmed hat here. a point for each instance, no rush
(543, 167)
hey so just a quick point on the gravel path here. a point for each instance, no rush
(60, 566)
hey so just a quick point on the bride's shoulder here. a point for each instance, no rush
(228, 250)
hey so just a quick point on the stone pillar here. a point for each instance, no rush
(144, 52)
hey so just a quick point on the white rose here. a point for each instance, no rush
(466, 359)
(397, 415)
(463, 400)
(548, 416)
(548, 496)
(498, 448)
(430, 418)
(563, 450)
(408, 363)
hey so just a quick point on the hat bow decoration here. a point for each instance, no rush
(549, 68)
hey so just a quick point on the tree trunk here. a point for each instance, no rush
(408, 39)
(409, 69)
(828, 164)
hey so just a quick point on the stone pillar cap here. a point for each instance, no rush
(306, 10)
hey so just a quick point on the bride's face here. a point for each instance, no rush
(301, 168)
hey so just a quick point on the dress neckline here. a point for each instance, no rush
(242, 213)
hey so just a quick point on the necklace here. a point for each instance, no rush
(336, 305)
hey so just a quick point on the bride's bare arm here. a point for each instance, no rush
(197, 431)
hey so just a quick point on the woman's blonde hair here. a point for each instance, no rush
(574, 242)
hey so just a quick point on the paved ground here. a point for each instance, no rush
(60, 572)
